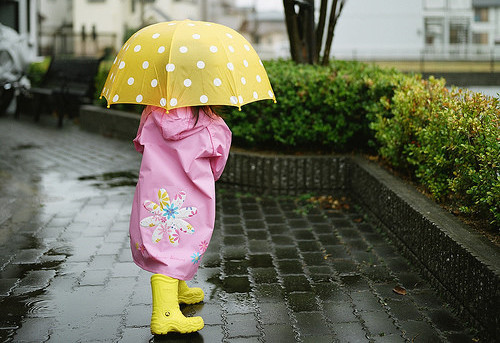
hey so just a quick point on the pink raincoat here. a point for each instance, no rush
(173, 211)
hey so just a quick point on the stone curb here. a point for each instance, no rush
(463, 265)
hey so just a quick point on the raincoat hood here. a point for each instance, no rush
(175, 125)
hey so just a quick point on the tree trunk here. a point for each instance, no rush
(293, 30)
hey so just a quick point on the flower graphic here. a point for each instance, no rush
(196, 257)
(203, 246)
(168, 217)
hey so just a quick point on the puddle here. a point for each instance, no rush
(112, 179)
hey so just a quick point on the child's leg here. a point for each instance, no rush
(167, 316)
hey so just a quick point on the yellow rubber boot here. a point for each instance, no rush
(189, 295)
(167, 316)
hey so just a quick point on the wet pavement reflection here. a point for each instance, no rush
(278, 269)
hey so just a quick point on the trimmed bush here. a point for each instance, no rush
(450, 140)
(321, 109)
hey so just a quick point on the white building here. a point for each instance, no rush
(367, 29)
(410, 29)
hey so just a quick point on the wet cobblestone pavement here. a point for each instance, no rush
(276, 270)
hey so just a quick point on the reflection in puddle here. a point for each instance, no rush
(112, 179)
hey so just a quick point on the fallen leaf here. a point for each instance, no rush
(399, 290)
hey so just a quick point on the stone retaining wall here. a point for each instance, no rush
(463, 265)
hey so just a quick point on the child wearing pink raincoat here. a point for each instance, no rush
(173, 212)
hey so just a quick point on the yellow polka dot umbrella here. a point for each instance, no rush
(187, 63)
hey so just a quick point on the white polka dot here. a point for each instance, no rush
(245, 63)
(196, 36)
(255, 95)
(270, 94)
(163, 102)
(234, 100)
(161, 49)
(200, 64)
(217, 82)
(115, 98)
(203, 99)
(112, 76)
(170, 67)
(173, 102)
(240, 98)
(130, 81)
(187, 82)
(170, 24)
(247, 47)
(230, 66)
(258, 78)
(156, 35)
(191, 24)
(183, 49)
(126, 47)
(154, 83)
(261, 63)
(145, 65)
(116, 59)
(243, 81)
(137, 48)
(229, 35)
(213, 48)
(138, 98)
(122, 65)
(230, 48)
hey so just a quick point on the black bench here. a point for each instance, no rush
(68, 83)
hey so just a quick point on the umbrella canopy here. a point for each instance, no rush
(187, 63)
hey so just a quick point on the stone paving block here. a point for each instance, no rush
(290, 267)
(135, 335)
(94, 277)
(278, 333)
(319, 339)
(339, 312)
(101, 328)
(102, 262)
(125, 269)
(33, 281)
(269, 293)
(239, 303)
(444, 320)
(273, 313)
(379, 324)
(280, 240)
(419, 331)
(311, 323)
(138, 316)
(404, 310)
(355, 282)
(366, 301)
(28, 256)
(296, 283)
(302, 302)
(34, 330)
(330, 291)
(258, 246)
(242, 325)
(110, 248)
(264, 275)
(350, 332)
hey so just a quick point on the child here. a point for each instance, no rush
(173, 212)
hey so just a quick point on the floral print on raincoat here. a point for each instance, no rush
(173, 210)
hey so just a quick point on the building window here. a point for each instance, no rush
(480, 38)
(434, 31)
(481, 15)
(459, 31)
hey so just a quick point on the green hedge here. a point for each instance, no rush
(324, 109)
(450, 140)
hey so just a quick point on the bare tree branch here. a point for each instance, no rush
(334, 16)
(321, 27)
